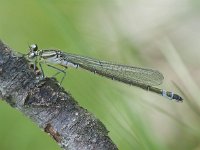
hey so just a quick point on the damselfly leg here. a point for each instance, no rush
(58, 72)
(37, 71)
(41, 70)
(35, 68)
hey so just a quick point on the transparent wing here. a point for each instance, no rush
(131, 75)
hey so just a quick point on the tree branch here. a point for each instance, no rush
(49, 106)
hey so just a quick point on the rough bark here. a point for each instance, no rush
(49, 106)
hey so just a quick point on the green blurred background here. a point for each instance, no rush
(159, 34)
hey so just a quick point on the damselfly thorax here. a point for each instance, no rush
(55, 57)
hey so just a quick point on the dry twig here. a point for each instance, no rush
(49, 106)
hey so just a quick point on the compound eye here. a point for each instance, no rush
(33, 47)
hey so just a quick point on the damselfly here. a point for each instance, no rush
(140, 77)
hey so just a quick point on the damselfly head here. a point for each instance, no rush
(33, 51)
